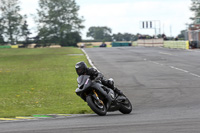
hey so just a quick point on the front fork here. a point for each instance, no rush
(97, 97)
(100, 101)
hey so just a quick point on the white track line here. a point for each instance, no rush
(179, 69)
(173, 67)
(195, 75)
(89, 60)
(165, 53)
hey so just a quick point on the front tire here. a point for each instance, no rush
(126, 107)
(97, 107)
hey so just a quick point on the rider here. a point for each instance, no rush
(82, 69)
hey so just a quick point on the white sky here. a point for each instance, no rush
(125, 15)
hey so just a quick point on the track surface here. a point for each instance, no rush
(162, 84)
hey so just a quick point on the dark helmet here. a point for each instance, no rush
(81, 68)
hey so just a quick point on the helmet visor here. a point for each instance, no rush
(80, 68)
(80, 71)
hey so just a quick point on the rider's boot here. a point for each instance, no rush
(110, 83)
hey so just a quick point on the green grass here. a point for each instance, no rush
(39, 81)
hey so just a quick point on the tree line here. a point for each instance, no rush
(105, 34)
(58, 22)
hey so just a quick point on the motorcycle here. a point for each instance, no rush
(100, 98)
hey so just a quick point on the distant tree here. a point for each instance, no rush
(25, 32)
(128, 37)
(159, 36)
(58, 20)
(124, 37)
(118, 37)
(195, 7)
(164, 36)
(72, 39)
(134, 38)
(182, 35)
(1, 34)
(1, 40)
(10, 19)
(100, 33)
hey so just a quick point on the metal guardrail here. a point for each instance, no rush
(9, 46)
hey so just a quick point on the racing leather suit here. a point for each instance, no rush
(95, 75)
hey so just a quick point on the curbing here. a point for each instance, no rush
(35, 117)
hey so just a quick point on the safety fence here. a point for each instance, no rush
(121, 44)
(176, 44)
(9, 46)
(134, 43)
(166, 44)
(150, 42)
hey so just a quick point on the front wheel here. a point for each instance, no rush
(126, 107)
(97, 106)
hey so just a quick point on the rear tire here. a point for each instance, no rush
(99, 109)
(126, 107)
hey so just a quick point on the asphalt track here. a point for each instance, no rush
(162, 84)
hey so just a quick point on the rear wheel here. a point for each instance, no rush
(126, 107)
(96, 105)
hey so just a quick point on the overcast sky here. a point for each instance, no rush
(125, 16)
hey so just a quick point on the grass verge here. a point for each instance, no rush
(39, 81)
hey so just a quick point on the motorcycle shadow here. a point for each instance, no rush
(110, 114)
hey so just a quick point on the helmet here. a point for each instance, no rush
(81, 68)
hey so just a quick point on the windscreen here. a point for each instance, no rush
(82, 79)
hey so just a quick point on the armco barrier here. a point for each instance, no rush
(14, 46)
(9, 46)
(6, 46)
(176, 44)
(121, 44)
(134, 43)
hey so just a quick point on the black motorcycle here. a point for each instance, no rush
(100, 98)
